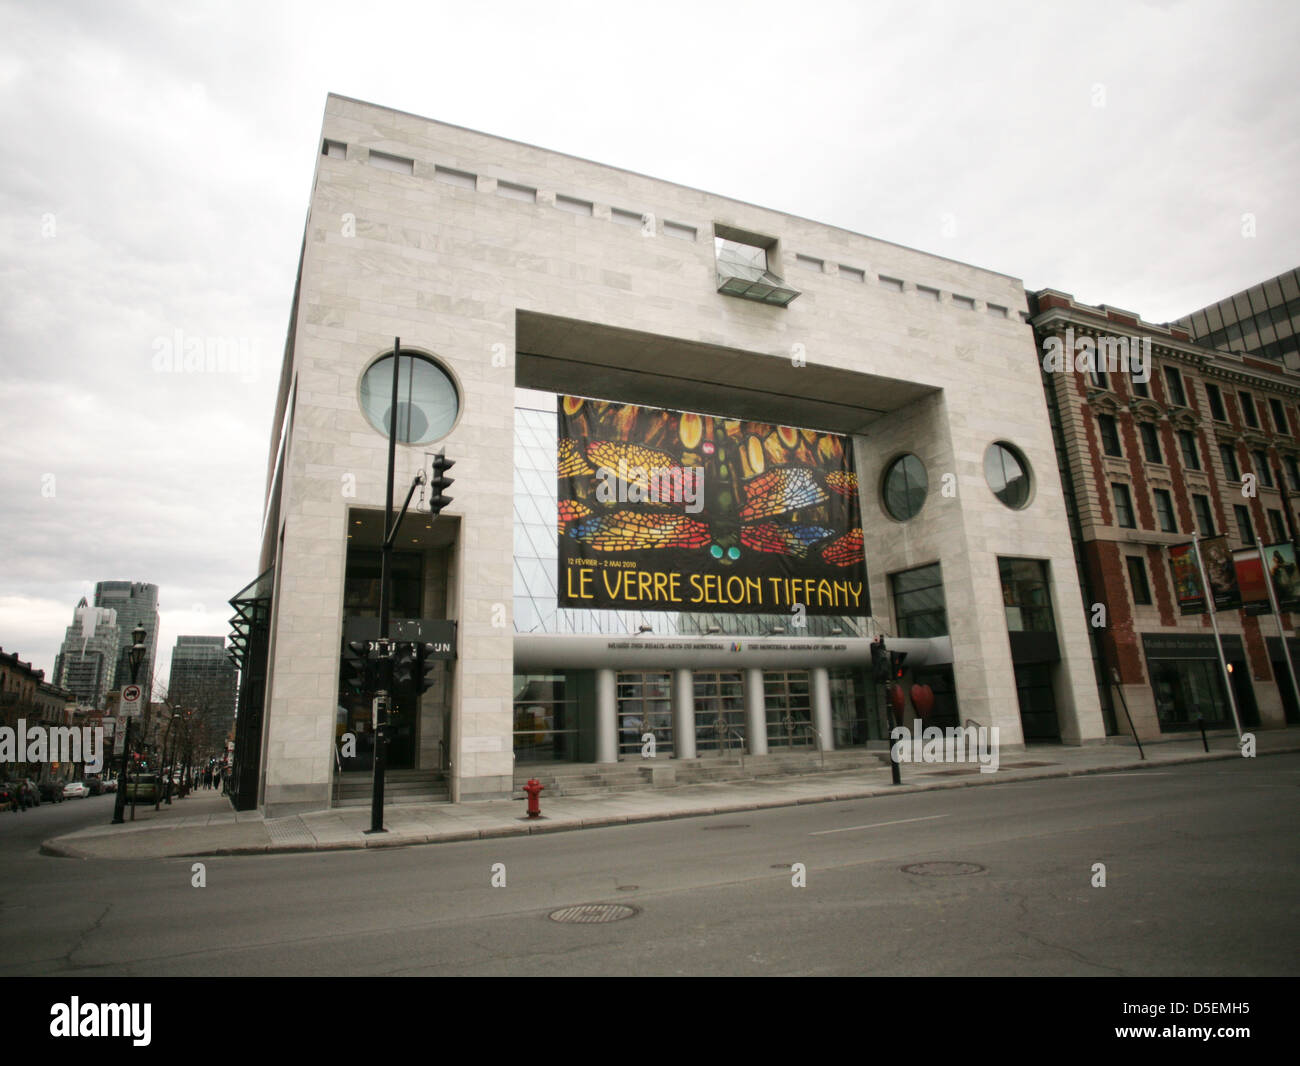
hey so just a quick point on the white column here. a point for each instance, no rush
(755, 713)
(683, 714)
(606, 716)
(821, 706)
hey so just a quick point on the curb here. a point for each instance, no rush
(53, 848)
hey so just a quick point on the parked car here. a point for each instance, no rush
(51, 790)
(9, 798)
(142, 789)
(76, 789)
(110, 785)
(20, 793)
(95, 784)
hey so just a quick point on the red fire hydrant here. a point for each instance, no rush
(534, 788)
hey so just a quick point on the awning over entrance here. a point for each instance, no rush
(550, 651)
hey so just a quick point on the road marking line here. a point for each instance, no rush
(1134, 773)
(877, 825)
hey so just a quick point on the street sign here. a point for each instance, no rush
(132, 704)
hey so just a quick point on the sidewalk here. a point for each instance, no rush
(204, 823)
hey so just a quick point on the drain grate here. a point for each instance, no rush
(942, 869)
(593, 912)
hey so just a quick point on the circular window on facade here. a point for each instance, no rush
(427, 400)
(1007, 473)
(905, 487)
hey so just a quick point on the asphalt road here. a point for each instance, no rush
(1200, 863)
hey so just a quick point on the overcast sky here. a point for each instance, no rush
(157, 161)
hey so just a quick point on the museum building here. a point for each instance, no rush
(705, 453)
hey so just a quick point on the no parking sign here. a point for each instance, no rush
(132, 704)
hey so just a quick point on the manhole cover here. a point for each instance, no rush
(734, 825)
(593, 912)
(942, 869)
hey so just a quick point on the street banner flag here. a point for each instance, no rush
(1220, 574)
(663, 510)
(1279, 561)
(1249, 572)
(1187, 581)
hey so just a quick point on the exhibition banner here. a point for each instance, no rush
(1249, 570)
(1279, 561)
(1220, 573)
(1187, 579)
(672, 511)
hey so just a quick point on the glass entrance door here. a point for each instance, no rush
(719, 711)
(789, 709)
(644, 706)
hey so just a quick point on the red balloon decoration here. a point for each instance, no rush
(923, 700)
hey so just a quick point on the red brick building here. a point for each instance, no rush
(1158, 436)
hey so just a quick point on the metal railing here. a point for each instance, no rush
(821, 745)
(732, 731)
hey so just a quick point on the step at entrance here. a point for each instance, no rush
(400, 786)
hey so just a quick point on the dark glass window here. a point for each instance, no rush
(1217, 411)
(1278, 525)
(1165, 511)
(1174, 381)
(1279, 417)
(905, 487)
(1123, 506)
(1026, 595)
(1244, 529)
(1292, 471)
(1099, 378)
(361, 584)
(1007, 473)
(1137, 579)
(1248, 410)
(1262, 470)
(1187, 442)
(1204, 515)
(1109, 435)
(1141, 388)
(1229, 456)
(919, 602)
(1150, 442)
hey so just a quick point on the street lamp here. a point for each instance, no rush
(134, 657)
(167, 767)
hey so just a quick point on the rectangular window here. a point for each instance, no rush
(1204, 515)
(1174, 382)
(680, 230)
(1244, 529)
(1217, 411)
(1165, 511)
(1187, 442)
(625, 218)
(1098, 378)
(852, 273)
(809, 263)
(461, 178)
(1109, 435)
(891, 283)
(967, 302)
(923, 290)
(1248, 409)
(1278, 524)
(1229, 456)
(1026, 596)
(999, 310)
(572, 205)
(1150, 442)
(523, 193)
(1292, 472)
(1262, 470)
(1137, 579)
(334, 150)
(1142, 388)
(1123, 506)
(395, 163)
(919, 603)
(1279, 417)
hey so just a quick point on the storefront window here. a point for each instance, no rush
(545, 726)
(1187, 689)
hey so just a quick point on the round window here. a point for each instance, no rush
(1007, 473)
(905, 487)
(427, 401)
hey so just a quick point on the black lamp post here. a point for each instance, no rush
(135, 657)
(167, 767)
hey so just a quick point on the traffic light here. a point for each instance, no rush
(404, 665)
(427, 669)
(896, 665)
(440, 483)
(359, 673)
(879, 660)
